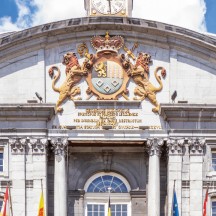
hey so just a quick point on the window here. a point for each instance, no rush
(102, 183)
(95, 209)
(214, 208)
(1, 161)
(102, 209)
(102, 186)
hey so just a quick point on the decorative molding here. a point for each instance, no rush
(59, 146)
(18, 145)
(196, 145)
(175, 145)
(154, 146)
(38, 145)
(107, 156)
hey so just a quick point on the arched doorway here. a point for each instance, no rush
(100, 187)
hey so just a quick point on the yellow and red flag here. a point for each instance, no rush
(41, 209)
(5, 209)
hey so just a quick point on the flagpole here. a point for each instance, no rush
(42, 185)
(11, 208)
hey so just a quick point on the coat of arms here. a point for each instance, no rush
(107, 72)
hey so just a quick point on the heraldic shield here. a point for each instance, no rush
(108, 77)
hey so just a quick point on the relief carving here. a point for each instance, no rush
(154, 146)
(59, 146)
(18, 145)
(175, 146)
(74, 73)
(196, 145)
(38, 145)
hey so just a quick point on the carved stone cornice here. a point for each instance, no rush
(18, 145)
(154, 146)
(175, 146)
(38, 145)
(196, 145)
(59, 146)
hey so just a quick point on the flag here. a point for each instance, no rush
(175, 211)
(41, 210)
(205, 203)
(109, 208)
(5, 209)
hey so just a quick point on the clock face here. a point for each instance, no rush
(109, 6)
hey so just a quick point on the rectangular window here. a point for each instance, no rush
(95, 210)
(119, 209)
(213, 208)
(214, 161)
(102, 209)
(1, 161)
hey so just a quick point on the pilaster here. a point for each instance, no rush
(18, 148)
(196, 150)
(175, 151)
(38, 173)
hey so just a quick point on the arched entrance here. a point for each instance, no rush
(100, 187)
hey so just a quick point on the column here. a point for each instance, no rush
(60, 180)
(175, 153)
(196, 147)
(154, 150)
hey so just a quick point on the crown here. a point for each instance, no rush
(107, 44)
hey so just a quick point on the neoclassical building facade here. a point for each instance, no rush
(108, 106)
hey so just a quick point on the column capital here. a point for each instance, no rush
(59, 145)
(154, 146)
(175, 146)
(38, 145)
(196, 145)
(18, 145)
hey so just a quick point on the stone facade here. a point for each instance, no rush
(148, 151)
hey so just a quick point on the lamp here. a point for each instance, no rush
(173, 96)
(39, 97)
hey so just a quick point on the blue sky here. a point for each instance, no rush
(198, 15)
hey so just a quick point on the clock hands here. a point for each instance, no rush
(109, 5)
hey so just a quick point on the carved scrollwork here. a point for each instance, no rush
(154, 146)
(175, 146)
(18, 145)
(59, 145)
(196, 145)
(38, 145)
(107, 159)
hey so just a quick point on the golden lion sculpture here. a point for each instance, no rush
(140, 75)
(74, 73)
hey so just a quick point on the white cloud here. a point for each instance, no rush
(185, 13)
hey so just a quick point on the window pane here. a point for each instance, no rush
(102, 183)
(1, 155)
(214, 161)
(95, 210)
(214, 208)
